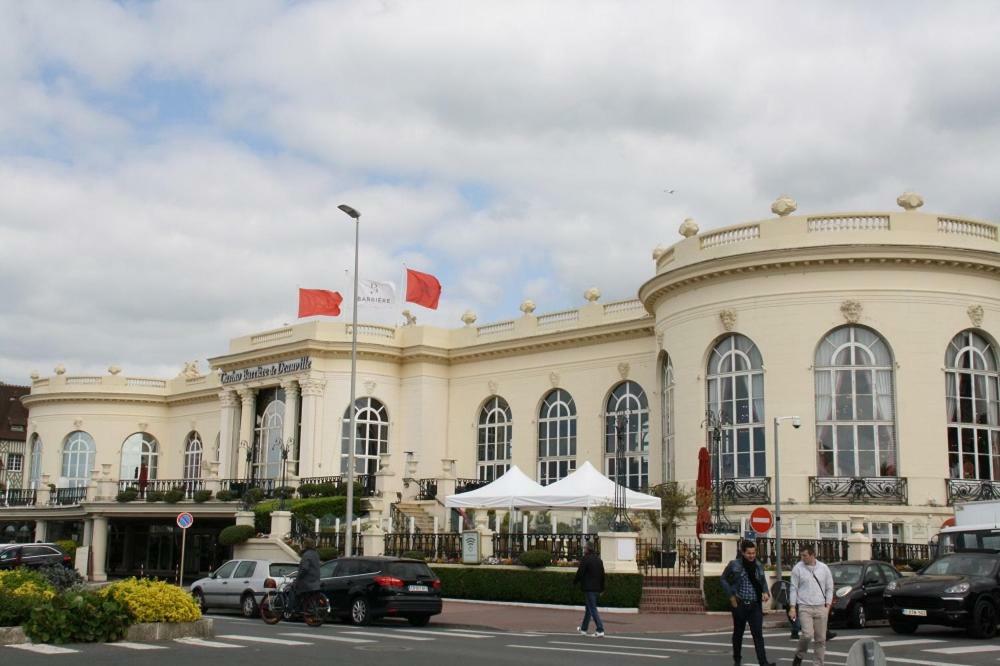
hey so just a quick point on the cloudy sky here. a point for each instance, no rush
(170, 171)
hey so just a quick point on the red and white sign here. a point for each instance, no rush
(761, 520)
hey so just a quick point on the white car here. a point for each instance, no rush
(240, 584)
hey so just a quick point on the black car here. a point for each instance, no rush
(959, 589)
(362, 589)
(858, 588)
(33, 555)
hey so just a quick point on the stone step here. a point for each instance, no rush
(671, 600)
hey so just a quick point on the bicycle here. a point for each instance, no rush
(313, 608)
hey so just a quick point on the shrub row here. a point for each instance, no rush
(533, 586)
(304, 509)
(172, 496)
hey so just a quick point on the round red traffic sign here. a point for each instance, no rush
(761, 520)
(185, 520)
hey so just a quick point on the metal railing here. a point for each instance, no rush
(828, 550)
(18, 497)
(334, 481)
(67, 496)
(444, 545)
(670, 564)
(189, 486)
(336, 541)
(241, 486)
(972, 490)
(901, 553)
(563, 547)
(748, 490)
(465, 485)
(428, 489)
(857, 490)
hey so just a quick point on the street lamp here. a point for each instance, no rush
(716, 424)
(283, 449)
(620, 521)
(796, 423)
(348, 545)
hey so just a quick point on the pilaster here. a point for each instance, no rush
(248, 400)
(310, 454)
(289, 433)
(227, 422)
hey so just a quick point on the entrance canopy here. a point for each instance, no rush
(586, 488)
(509, 491)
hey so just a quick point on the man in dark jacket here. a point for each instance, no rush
(746, 586)
(307, 578)
(590, 576)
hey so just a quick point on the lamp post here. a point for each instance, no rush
(620, 521)
(716, 424)
(283, 449)
(348, 545)
(796, 422)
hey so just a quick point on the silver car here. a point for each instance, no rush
(240, 584)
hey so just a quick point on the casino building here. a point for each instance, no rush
(877, 329)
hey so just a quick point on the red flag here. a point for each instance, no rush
(422, 289)
(319, 302)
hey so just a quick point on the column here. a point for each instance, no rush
(100, 546)
(41, 530)
(310, 454)
(291, 387)
(227, 419)
(248, 399)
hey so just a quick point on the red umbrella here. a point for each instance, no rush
(703, 492)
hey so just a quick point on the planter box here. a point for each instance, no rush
(163, 631)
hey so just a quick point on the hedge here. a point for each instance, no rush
(236, 534)
(533, 586)
(304, 509)
(715, 598)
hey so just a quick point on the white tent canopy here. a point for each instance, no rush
(506, 492)
(586, 488)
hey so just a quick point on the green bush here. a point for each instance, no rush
(329, 490)
(200, 496)
(536, 559)
(253, 496)
(227, 496)
(173, 496)
(715, 597)
(236, 534)
(304, 509)
(308, 489)
(534, 586)
(327, 553)
(341, 490)
(77, 616)
(918, 564)
(61, 577)
(414, 555)
(284, 491)
(127, 495)
(68, 546)
(20, 591)
(154, 495)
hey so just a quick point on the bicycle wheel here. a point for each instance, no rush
(314, 609)
(272, 607)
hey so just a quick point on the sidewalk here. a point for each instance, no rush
(521, 618)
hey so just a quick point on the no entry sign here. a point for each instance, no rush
(761, 520)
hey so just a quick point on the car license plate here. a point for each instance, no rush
(419, 588)
(915, 612)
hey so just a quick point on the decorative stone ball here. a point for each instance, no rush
(60, 369)
(34, 375)
(592, 294)
(784, 205)
(469, 317)
(658, 252)
(910, 200)
(114, 369)
(528, 306)
(688, 228)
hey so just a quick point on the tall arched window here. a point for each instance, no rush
(667, 414)
(855, 419)
(192, 455)
(371, 435)
(36, 461)
(493, 450)
(736, 395)
(556, 437)
(268, 434)
(78, 458)
(139, 449)
(973, 410)
(626, 418)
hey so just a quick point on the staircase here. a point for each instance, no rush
(423, 520)
(671, 600)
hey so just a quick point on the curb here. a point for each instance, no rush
(142, 632)
(601, 609)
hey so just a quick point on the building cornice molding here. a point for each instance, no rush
(37, 399)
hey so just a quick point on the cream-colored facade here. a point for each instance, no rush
(899, 286)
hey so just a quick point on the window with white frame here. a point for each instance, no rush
(493, 446)
(78, 458)
(880, 531)
(736, 394)
(667, 430)
(36, 460)
(626, 422)
(855, 416)
(140, 450)
(556, 437)
(192, 456)
(268, 434)
(15, 462)
(371, 436)
(973, 407)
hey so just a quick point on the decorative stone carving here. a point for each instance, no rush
(493, 386)
(784, 205)
(227, 398)
(592, 295)
(370, 386)
(114, 369)
(554, 379)
(312, 386)
(658, 252)
(469, 317)
(60, 369)
(143, 427)
(728, 319)
(190, 370)
(290, 386)
(688, 228)
(528, 306)
(623, 369)
(659, 340)
(411, 319)
(78, 424)
(975, 313)
(35, 376)
(851, 310)
(910, 200)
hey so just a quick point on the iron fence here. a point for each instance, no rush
(444, 545)
(675, 563)
(189, 486)
(465, 485)
(18, 497)
(563, 547)
(67, 496)
(827, 550)
(428, 489)
(900, 553)
(336, 541)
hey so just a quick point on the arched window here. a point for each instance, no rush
(371, 436)
(78, 458)
(667, 411)
(736, 396)
(855, 419)
(626, 419)
(971, 399)
(192, 456)
(139, 449)
(268, 435)
(36, 461)
(493, 450)
(556, 437)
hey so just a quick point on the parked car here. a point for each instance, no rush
(362, 589)
(959, 589)
(33, 555)
(240, 584)
(858, 589)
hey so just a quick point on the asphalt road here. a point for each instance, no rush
(240, 641)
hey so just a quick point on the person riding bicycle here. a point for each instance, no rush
(307, 578)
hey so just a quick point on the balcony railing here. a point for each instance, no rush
(465, 485)
(67, 496)
(748, 490)
(857, 490)
(189, 486)
(972, 490)
(828, 550)
(18, 497)
(900, 553)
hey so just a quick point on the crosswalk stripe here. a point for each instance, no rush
(495, 633)
(386, 634)
(439, 632)
(42, 648)
(852, 637)
(261, 639)
(627, 654)
(321, 637)
(602, 645)
(137, 646)
(201, 642)
(965, 649)
(909, 641)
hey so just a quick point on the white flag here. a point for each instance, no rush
(376, 293)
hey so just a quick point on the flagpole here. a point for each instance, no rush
(348, 541)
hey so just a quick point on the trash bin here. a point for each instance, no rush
(664, 559)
